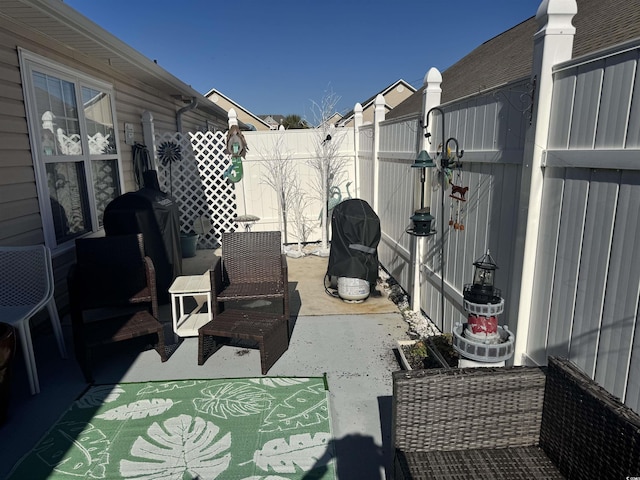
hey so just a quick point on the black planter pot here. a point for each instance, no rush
(7, 352)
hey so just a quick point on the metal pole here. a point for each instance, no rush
(442, 230)
(444, 163)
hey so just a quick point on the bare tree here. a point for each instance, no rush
(281, 177)
(300, 206)
(330, 167)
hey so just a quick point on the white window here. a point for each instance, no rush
(74, 146)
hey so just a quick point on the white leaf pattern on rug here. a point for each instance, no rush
(139, 409)
(99, 395)
(270, 477)
(184, 444)
(166, 387)
(233, 400)
(278, 381)
(287, 415)
(88, 457)
(302, 450)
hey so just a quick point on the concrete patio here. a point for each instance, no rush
(351, 343)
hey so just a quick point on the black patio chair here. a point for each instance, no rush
(112, 295)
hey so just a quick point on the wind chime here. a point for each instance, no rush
(458, 193)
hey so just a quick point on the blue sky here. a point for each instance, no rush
(279, 57)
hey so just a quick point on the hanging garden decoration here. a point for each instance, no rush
(443, 170)
(168, 153)
(458, 194)
(237, 148)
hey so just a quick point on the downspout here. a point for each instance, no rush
(191, 106)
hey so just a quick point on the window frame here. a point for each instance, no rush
(30, 62)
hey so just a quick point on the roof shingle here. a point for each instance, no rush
(509, 56)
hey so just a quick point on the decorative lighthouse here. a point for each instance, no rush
(481, 339)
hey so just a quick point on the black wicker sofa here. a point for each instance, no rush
(511, 423)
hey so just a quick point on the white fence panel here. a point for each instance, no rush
(587, 280)
(490, 128)
(585, 305)
(596, 102)
(257, 198)
(399, 145)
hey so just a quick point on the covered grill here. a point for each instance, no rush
(155, 215)
(354, 241)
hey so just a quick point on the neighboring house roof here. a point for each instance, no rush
(509, 56)
(63, 25)
(335, 119)
(399, 86)
(244, 115)
(274, 121)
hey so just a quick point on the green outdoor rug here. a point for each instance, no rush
(267, 428)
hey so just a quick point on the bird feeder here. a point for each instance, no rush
(422, 217)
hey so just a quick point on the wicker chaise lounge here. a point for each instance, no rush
(511, 423)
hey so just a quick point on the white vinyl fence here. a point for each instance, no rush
(585, 297)
(196, 179)
(256, 197)
(552, 167)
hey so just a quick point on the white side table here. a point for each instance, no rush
(186, 324)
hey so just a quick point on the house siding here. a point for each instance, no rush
(20, 219)
(20, 214)
(20, 222)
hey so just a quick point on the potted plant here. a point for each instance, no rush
(430, 352)
(188, 243)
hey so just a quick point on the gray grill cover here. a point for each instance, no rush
(355, 236)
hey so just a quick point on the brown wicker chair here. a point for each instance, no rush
(252, 267)
(511, 423)
(112, 295)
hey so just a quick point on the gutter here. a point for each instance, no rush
(191, 106)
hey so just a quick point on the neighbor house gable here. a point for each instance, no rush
(244, 115)
(393, 95)
(274, 121)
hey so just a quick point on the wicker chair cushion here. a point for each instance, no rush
(251, 290)
(500, 463)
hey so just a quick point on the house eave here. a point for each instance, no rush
(67, 27)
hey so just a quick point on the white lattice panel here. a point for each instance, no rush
(197, 184)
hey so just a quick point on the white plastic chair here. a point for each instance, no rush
(26, 286)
